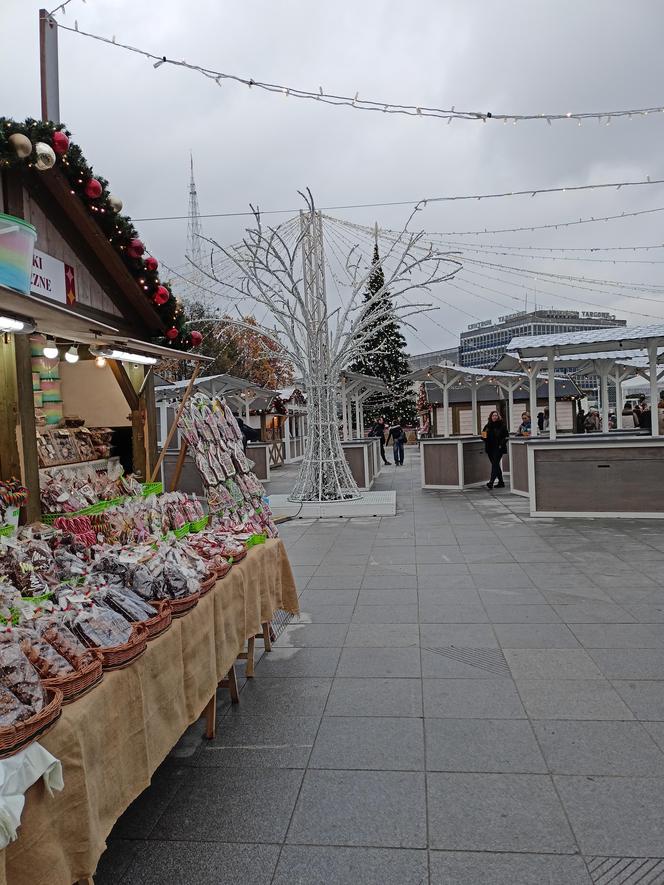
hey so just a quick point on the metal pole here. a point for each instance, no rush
(652, 358)
(357, 417)
(604, 395)
(473, 401)
(551, 377)
(48, 67)
(532, 398)
(510, 405)
(446, 409)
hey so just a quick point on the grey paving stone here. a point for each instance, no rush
(375, 697)
(647, 613)
(615, 816)
(449, 582)
(619, 635)
(389, 582)
(502, 596)
(383, 635)
(313, 636)
(387, 596)
(140, 818)
(535, 636)
(385, 614)
(442, 570)
(374, 808)
(304, 696)
(314, 865)
(596, 748)
(471, 698)
(369, 742)
(521, 613)
(329, 596)
(448, 596)
(572, 699)
(490, 576)
(116, 860)
(202, 863)
(452, 613)
(644, 698)
(380, 662)
(467, 635)
(496, 812)
(334, 569)
(269, 739)
(231, 805)
(487, 553)
(482, 745)
(440, 554)
(484, 868)
(647, 663)
(289, 662)
(335, 585)
(551, 663)
(324, 614)
(593, 613)
(656, 732)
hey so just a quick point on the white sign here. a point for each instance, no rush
(52, 278)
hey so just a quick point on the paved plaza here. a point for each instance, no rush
(469, 697)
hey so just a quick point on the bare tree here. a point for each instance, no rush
(287, 276)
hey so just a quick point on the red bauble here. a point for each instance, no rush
(151, 264)
(196, 338)
(60, 143)
(93, 189)
(172, 334)
(161, 295)
(135, 248)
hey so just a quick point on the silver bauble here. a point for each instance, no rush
(45, 156)
(21, 145)
(115, 203)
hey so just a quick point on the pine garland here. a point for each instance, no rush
(118, 228)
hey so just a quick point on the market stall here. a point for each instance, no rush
(608, 474)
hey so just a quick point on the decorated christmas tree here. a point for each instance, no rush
(384, 355)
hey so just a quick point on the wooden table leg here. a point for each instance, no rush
(267, 641)
(231, 680)
(210, 713)
(249, 672)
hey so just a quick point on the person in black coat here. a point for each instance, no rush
(495, 444)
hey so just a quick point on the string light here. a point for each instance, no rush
(365, 104)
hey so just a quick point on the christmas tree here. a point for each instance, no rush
(384, 355)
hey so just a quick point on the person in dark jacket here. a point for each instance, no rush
(398, 437)
(378, 430)
(495, 444)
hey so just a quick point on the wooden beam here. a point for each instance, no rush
(124, 382)
(148, 402)
(27, 426)
(10, 460)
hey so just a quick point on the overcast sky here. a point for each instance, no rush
(136, 124)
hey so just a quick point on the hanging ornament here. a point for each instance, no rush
(93, 189)
(172, 333)
(115, 203)
(45, 156)
(21, 145)
(135, 248)
(60, 143)
(161, 296)
(151, 263)
(196, 338)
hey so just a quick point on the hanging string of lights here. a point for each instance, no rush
(370, 104)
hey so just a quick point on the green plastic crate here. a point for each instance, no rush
(182, 531)
(256, 539)
(198, 524)
(152, 488)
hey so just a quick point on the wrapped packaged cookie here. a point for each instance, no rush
(43, 657)
(18, 675)
(100, 627)
(56, 633)
(11, 709)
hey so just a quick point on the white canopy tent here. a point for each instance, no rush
(604, 348)
(356, 387)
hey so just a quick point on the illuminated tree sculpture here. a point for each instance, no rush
(284, 271)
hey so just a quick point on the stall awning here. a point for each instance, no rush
(55, 319)
(596, 341)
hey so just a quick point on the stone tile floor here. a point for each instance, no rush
(469, 696)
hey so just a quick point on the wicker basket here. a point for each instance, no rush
(14, 737)
(208, 584)
(223, 570)
(180, 607)
(117, 656)
(161, 621)
(76, 684)
(238, 557)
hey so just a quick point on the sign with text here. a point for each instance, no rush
(52, 278)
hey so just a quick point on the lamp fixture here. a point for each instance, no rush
(100, 362)
(18, 326)
(71, 355)
(123, 356)
(51, 349)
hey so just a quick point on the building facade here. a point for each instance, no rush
(433, 358)
(484, 343)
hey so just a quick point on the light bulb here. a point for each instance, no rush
(51, 349)
(100, 362)
(72, 354)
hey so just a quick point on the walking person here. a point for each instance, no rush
(495, 435)
(378, 430)
(398, 436)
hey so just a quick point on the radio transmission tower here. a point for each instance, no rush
(194, 252)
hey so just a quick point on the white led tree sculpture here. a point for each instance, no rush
(287, 276)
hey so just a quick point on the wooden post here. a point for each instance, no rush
(27, 426)
(174, 425)
(210, 713)
(179, 464)
(10, 459)
(138, 418)
(149, 405)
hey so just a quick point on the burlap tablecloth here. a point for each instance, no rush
(111, 741)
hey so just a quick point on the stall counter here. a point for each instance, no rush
(456, 462)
